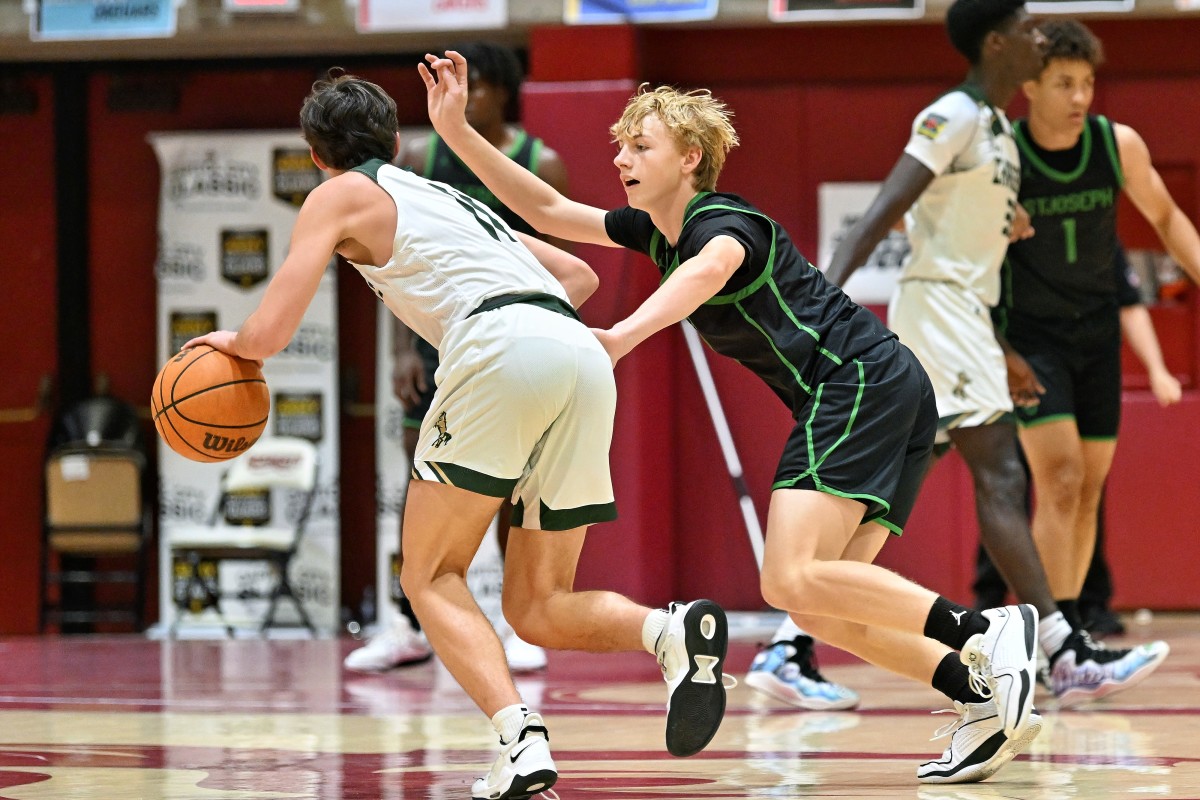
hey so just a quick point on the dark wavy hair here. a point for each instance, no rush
(1071, 39)
(499, 66)
(348, 121)
(969, 21)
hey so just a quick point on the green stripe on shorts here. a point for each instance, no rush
(472, 481)
(568, 518)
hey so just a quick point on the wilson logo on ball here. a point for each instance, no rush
(209, 406)
(224, 444)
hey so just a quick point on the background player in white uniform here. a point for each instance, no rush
(524, 408)
(957, 183)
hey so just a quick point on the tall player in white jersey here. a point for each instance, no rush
(956, 185)
(523, 409)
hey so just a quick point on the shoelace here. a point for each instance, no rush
(549, 794)
(978, 683)
(949, 727)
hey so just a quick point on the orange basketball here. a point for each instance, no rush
(209, 406)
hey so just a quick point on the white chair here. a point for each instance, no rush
(273, 463)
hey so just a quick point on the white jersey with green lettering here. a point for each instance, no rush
(959, 226)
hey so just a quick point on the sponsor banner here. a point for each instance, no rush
(380, 16)
(227, 206)
(808, 10)
(83, 20)
(595, 12)
(1078, 6)
(839, 206)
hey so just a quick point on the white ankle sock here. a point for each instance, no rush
(508, 721)
(1053, 632)
(787, 631)
(652, 628)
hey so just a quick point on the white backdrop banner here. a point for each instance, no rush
(379, 16)
(227, 206)
(839, 206)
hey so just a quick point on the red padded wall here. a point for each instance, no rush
(28, 284)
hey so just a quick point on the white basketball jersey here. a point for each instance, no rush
(960, 224)
(450, 254)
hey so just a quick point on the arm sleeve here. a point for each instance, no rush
(943, 130)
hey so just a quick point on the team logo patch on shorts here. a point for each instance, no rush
(443, 435)
(931, 126)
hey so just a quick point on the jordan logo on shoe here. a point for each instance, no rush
(958, 615)
(705, 665)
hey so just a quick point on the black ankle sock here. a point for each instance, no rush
(1070, 610)
(407, 610)
(952, 624)
(953, 679)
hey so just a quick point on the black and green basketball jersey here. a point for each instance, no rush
(777, 314)
(1065, 271)
(442, 165)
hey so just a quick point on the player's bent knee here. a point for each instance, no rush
(784, 589)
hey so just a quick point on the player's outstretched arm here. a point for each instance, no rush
(527, 195)
(689, 286)
(1146, 189)
(899, 191)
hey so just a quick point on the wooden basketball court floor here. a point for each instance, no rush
(121, 718)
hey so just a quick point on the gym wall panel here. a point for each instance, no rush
(28, 284)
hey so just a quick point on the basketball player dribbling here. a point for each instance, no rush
(500, 307)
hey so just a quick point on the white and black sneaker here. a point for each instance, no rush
(1006, 656)
(524, 767)
(978, 747)
(691, 652)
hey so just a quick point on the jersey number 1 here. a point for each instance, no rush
(1068, 224)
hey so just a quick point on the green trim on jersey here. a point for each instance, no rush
(1110, 146)
(370, 168)
(511, 152)
(764, 278)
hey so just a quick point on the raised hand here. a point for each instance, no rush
(446, 90)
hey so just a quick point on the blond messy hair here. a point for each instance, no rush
(693, 119)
